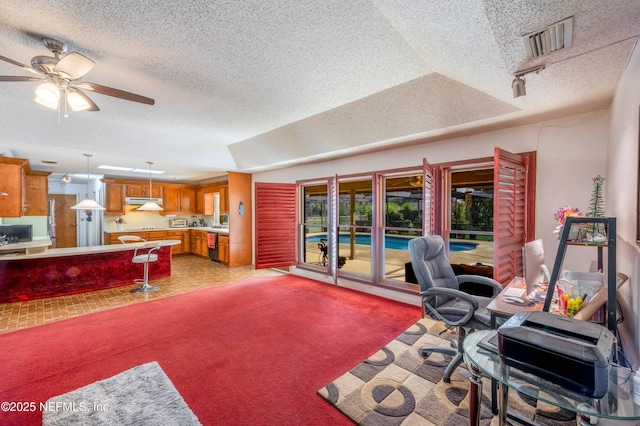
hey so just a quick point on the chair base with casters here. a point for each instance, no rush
(443, 299)
(456, 352)
(145, 255)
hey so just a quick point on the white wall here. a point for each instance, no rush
(621, 187)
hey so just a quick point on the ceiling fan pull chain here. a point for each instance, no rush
(66, 105)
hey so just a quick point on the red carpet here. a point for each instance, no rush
(251, 352)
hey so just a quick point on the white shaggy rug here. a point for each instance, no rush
(143, 395)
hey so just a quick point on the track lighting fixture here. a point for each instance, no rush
(519, 83)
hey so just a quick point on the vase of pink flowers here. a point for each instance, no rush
(562, 215)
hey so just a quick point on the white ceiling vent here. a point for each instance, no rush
(555, 37)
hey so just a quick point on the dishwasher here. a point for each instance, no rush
(212, 243)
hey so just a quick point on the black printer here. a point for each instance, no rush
(572, 353)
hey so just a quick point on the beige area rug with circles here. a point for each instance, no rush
(396, 386)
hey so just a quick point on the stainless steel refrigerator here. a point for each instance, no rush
(51, 221)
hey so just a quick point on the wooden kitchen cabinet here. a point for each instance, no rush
(187, 200)
(199, 244)
(13, 183)
(112, 237)
(199, 201)
(186, 241)
(142, 191)
(37, 189)
(223, 248)
(157, 235)
(176, 235)
(171, 200)
(224, 199)
(178, 200)
(114, 199)
(208, 203)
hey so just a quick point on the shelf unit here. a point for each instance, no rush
(610, 244)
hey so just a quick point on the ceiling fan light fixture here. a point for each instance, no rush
(77, 102)
(48, 92)
(52, 105)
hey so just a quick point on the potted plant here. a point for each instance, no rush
(119, 222)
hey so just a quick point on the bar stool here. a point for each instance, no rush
(125, 239)
(146, 254)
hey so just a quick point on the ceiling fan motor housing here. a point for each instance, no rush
(45, 64)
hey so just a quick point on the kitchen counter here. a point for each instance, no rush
(197, 228)
(37, 245)
(65, 271)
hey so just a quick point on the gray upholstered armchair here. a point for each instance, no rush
(442, 299)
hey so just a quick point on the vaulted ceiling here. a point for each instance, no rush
(249, 85)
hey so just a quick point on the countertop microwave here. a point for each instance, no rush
(179, 222)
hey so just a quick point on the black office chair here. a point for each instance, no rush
(442, 299)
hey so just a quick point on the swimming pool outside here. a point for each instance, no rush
(391, 242)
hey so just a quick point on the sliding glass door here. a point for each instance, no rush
(402, 221)
(355, 226)
(314, 225)
(358, 227)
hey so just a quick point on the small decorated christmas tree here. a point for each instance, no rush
(595, 232)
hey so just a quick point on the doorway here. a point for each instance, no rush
(66, 220)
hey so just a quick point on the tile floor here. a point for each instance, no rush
(188, 273)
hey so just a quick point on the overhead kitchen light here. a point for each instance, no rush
(519, 83)
(130, 169)
(87, 203)
(150, 205)
(66, 178)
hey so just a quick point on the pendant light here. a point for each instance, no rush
(87, 203)
(150, 205)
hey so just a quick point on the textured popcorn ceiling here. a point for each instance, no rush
(251, 85)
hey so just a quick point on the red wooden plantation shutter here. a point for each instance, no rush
(509, 214)
(275, 236)
(432, 209)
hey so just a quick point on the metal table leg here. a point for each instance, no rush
(503, 400)
(475, 395)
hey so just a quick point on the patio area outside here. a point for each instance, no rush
(395, 259)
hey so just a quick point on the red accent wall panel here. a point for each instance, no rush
(275, 237)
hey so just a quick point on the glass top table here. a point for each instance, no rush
(616, 404)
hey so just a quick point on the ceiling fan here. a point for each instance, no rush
(416, 181)
(61, 85)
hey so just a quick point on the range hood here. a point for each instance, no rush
(138, 201)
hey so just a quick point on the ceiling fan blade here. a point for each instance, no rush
(11, 61)
(92, 105)
(74, 65)
(117, 93)
(19, 78)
